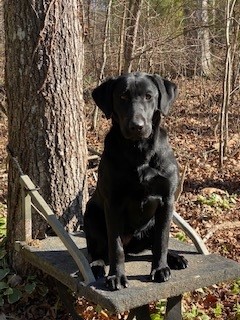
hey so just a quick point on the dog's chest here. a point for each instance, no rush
(148, 176)
(139, 214)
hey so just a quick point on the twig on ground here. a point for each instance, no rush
(95, 152)
(181, 182)
(94, 157)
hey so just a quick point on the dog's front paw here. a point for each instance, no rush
(116, 282)
(176, 262)
(161, 274)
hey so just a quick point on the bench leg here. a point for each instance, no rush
(67, 300)
(140, 313)
(174, 308)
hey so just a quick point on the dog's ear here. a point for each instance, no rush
(167, 93)
(103, 96)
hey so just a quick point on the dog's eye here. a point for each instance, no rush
(148, 96)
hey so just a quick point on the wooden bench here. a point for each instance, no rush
(64, 257)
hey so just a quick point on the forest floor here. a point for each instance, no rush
(210, 202)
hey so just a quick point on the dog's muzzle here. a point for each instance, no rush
(138, 129)
(136, 126)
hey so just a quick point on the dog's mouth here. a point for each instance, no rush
(142, 134)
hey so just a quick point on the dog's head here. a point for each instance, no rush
(135, 101)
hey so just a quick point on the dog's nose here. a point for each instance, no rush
(136, 125)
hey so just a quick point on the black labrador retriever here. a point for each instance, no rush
(132, 206)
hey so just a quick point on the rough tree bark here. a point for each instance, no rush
(44, 62)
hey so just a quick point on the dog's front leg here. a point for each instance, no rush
(163, 216)
(116, 278)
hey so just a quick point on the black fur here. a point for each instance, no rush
(131, 208)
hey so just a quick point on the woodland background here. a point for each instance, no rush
(197, 45)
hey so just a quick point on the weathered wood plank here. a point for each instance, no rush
(27, 216)
(42, 206)
(203, 270)
(191, 233)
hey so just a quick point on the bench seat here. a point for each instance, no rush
(51, 256)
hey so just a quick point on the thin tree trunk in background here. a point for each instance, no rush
(206, 63)
(197, 38)
(191, 37)
(227, 82)
(133, 16)
(104, 57)
(44, 63)
(105, 41)
(235, 51)
(122, 32)
(214, 14)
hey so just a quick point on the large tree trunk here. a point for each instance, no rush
(44, 62)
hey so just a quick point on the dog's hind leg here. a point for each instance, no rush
(141, 240)
(144, 240)
(176, 261)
